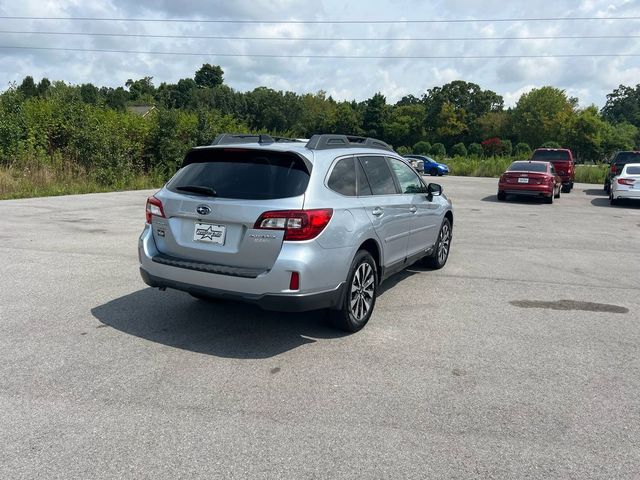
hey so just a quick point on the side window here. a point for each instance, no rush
(364, 189)
(553, 170)
(407, 178)
(379, 176)
(343, 177)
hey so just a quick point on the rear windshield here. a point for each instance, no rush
(627, 157)
(547, 155)
(250, 175)
(633, 170)
(528, 167)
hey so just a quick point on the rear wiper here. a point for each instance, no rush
(199, 189)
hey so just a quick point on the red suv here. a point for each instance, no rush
(562, 160)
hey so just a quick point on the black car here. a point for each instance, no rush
(618, 162)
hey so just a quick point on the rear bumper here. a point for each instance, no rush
(630, 194)
(294, 302)
(525, 189)
(322, 276)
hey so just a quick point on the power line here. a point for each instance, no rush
(323, 39)
(323, 22)
(364, 57)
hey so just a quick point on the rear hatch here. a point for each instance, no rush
(212, 204)
(560, 159)
(621, 159)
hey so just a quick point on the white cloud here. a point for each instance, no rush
(590, 78)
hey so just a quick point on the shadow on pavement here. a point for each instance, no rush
(604, 202)
(515, 199)
(220, 328)
(596, 192)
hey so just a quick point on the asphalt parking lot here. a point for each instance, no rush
(520, 359)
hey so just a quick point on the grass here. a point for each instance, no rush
(43, 181)
(495, 166)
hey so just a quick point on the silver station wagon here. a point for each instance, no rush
(293, 225)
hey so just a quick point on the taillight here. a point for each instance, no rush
(154, 207)
(614, 169)
(297, 224)
(626, 181)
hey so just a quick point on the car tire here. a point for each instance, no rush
(549, 199)
(561, 189)
(433, 172)
(613, 201)
(362, 283)
(440, 255)
(502, 196)
(607, 188)
(565, 189)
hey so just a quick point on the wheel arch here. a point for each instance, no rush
(371, 246)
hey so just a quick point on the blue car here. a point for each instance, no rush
(431, 167)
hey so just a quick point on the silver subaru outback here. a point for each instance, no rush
(293, 225)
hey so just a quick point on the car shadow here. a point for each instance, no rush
(514, 199)
(604, 202)
(220, 328)
(596, 192)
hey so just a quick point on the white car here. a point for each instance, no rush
(627, 184)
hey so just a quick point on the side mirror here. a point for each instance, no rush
(433, 189)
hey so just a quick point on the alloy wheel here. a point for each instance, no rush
(444, 243)
(362, 291)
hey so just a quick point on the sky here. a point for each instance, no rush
(588, 78)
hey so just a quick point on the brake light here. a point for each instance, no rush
(614, 168)
(154, 207)
(297, 224)
(626, 181)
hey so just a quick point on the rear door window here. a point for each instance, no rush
(378, 175)
(242, 174)
(343, 177)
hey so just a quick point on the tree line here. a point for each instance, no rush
(93, 127)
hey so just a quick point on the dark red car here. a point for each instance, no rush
(563, 162)
(534, 179)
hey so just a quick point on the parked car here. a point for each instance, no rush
(417, 164)
(293, 226)
(617, 163)
(626, 185)
(536, 179)
(563, 162)
(430, 166)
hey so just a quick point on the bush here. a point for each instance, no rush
(507, 148)
(438, 150)
(522, 150)
(551, 144)
(475, 150)
(459, 150)
(422, 148)
(492, 146)
(402, 150)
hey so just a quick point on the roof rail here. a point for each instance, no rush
(328, 141)
(236, 138)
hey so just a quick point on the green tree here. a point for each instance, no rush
(209, 76)
(459, 150)
(587, 133)
(422, 148)
(43, 87)
(507, 147)
(89, 93)
(522, 150)
(543, 114)
(374, 116)
(451, 123)
(28, 87)
(347, 120)
(141, 91)
(404, 124)
(475, 150)
(623, 105)
(438, 150)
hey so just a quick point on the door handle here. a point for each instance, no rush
(377, 211)
(413, 209)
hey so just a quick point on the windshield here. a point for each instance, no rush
(550, 155)
(528, 167)
(627, 157)
(242, 174)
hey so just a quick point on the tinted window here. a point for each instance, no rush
(551, 169)
(546, 155)
(379, 176)
(244, 174)
(627, 157)
(633, 170)
(407, 178)
(527, 167)
(343, 177)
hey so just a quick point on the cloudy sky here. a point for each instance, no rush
(588, 78)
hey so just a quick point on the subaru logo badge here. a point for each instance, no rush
(203, 209)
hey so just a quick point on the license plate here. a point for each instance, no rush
(523, 180)
(209, 233)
